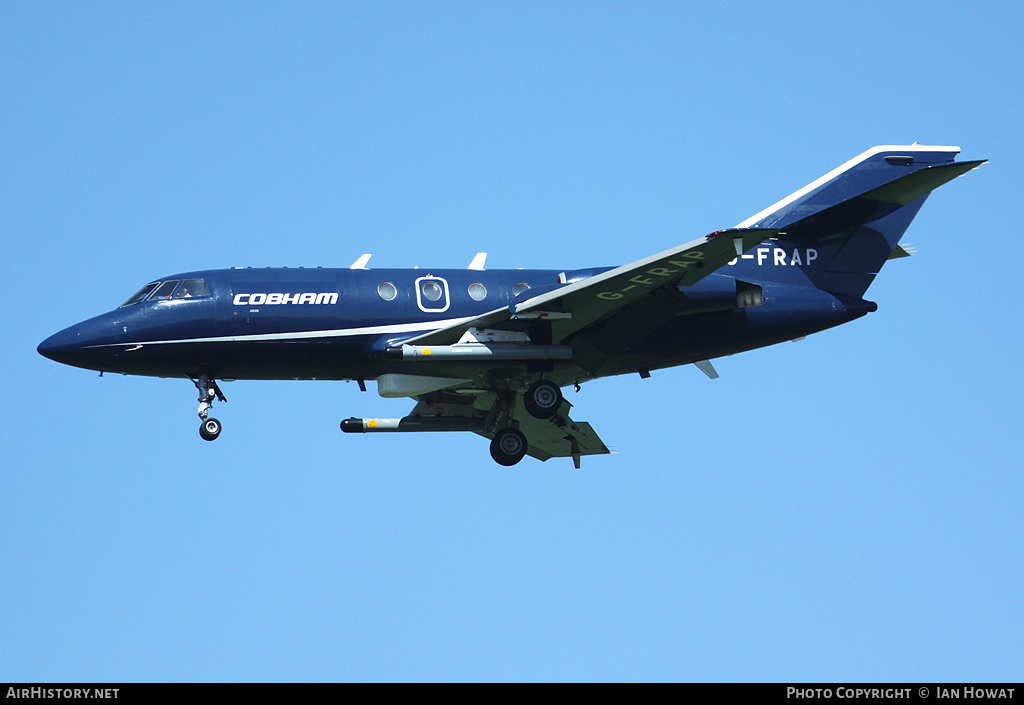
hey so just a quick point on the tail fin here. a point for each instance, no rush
(841, 228)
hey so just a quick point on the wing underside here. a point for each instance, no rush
(556, 437)
(586, 321)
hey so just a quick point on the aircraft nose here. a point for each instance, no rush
(86, 344)
(62, 346)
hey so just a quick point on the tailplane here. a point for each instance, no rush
(840, 229)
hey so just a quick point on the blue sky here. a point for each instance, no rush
(848, 507)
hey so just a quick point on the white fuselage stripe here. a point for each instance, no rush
(305, 335)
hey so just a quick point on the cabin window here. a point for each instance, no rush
(141, 294)
(387, 291)
(432, 294)
(164, 291)
(520, 288)
(431, 290)
(192, 288)
(477, 291)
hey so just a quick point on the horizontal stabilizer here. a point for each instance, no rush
(907, 189)
(877, 202)
(875, 167)
(844, 245)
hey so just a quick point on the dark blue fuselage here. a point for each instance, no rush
(333, 323)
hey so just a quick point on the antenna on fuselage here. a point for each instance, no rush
(361, 262)
(478, 261)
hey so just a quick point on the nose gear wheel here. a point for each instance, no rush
(210, 427)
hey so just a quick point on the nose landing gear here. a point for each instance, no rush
(210, 427)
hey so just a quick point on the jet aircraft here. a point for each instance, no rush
(489, 350)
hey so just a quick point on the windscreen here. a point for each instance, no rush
(162, 291)
(141, 294)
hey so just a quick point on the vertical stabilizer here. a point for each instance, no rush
(840, 229)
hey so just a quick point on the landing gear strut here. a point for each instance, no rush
(210, 428)
(508, 445)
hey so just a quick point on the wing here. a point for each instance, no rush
(555, 437)
(609, 310)
(596, 317)
(581, 304)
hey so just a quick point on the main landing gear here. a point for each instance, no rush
(508, 446)
(210, 427)
(541, 400)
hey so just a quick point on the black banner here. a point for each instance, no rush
(790, 692)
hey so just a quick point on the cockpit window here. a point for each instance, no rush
(192, 288)
(161, 291)
(164, 291)
(142, 294)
